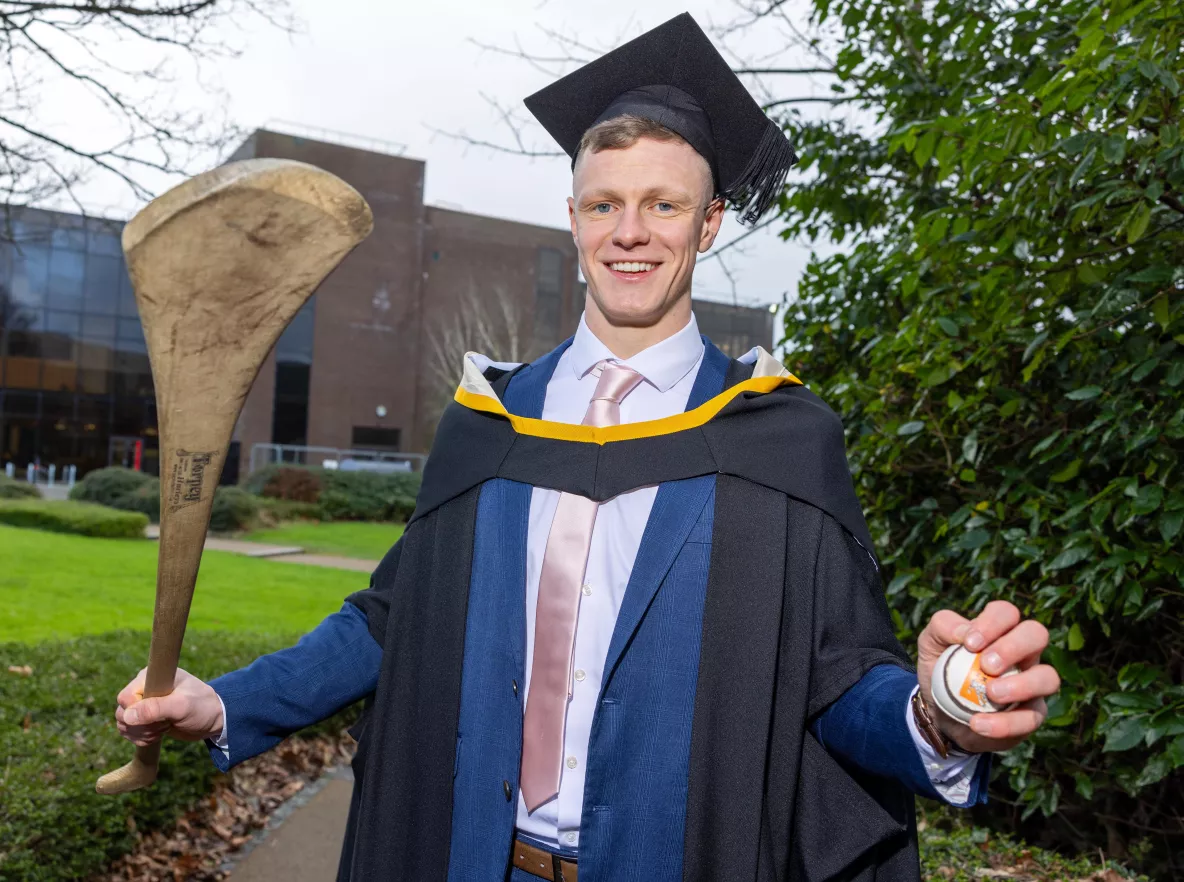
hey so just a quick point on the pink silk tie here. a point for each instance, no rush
(564, 562)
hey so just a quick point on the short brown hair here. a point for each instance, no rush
(622, 132)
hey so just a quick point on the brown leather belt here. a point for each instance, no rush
(542, 863)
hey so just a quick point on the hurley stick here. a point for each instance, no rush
(219, 264)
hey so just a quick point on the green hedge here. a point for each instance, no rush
(82, 518)
(130, 490)
(10, 489)
(340, 496)
(57, 733)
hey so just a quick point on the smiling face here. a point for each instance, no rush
(640, 215)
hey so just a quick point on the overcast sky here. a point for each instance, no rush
(398, 71)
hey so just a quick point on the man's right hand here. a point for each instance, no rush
(191, 712)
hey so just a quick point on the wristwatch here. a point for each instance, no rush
(928, 728)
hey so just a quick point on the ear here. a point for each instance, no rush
(711, 223)
(571, 216)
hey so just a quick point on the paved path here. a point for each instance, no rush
(302, 843)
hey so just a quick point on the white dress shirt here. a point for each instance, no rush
(669, 369)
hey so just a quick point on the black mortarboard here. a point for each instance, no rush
(675, 77)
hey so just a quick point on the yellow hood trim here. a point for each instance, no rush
(475, 393)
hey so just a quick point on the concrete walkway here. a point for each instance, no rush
(302, 841)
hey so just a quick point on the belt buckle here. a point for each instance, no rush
(557, 868)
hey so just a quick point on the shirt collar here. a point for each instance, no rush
(662, 365)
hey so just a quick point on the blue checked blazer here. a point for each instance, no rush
(636, 778)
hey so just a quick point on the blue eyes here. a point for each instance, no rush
(605, 207)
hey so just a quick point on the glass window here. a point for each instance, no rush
(66, 272)
(127, 297)
(103, 276)
(375, 438)
(25, 327)
(20, 403)
(30, 274)
(105, 242)
(99, 329)
(131, 336)
(68, 239)
(61, 334)
(295, 344)
(548, 289)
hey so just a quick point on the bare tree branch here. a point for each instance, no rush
(82, 48)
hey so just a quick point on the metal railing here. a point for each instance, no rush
(301, 454)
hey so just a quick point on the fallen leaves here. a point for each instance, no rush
(202, 844)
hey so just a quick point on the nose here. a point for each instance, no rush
(631, 230)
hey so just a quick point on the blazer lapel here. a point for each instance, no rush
(677, 507)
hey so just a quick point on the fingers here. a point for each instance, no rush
(1011, 725)
(1040, 681)
(1023, 642)
(996, 619)
(946, 628)
(166, 708)
(133, 691)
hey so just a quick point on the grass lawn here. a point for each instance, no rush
(54, 586)
(346, 538)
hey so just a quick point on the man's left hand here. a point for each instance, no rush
(1004, 640)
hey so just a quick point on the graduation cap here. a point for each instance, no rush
(673, 76)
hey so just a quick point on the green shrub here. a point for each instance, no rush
(1001, 331)
(57, 734)
(294, 484)
(276, 511)
(341, 496)
(112, 487)
(233, 509)
(81, 518)
(258, 480)
(10, 489)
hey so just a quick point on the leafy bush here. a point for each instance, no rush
(10, 489)
(233, 509)
(276, 511)
(81, 518)
(113, 487)
(57, 734)
(294, 484)
(342, 496)
(1003, 337)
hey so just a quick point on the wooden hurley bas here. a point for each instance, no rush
(220, 265)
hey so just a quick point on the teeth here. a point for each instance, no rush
(634, 267)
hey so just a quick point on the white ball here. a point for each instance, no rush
(959, 685)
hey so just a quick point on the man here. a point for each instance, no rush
(635, 628)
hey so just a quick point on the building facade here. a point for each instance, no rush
(369, 362)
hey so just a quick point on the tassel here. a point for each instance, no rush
(759, 185)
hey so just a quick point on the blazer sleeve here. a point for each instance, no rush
(866, 728)
(330, 668)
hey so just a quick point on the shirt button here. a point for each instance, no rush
(587, 589)
(506, 790)
(569, 837)
(514, 686)
(572, 762)
(580, 675)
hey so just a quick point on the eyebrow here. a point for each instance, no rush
(672, 195)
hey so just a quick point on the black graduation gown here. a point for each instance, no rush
(795, 614)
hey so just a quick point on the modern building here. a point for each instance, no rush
(370, 361)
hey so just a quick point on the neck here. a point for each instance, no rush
(625, 341)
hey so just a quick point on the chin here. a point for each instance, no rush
(632, 309)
